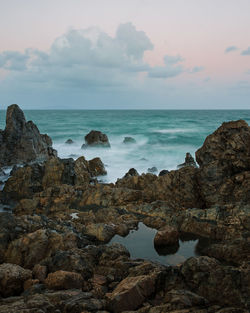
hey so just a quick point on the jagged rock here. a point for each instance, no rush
(166, 236)
(21, 141)
(129, 140)
(163, 172)
(131, 172)
(224, 160)
(131, 293)
(152, 169)
(189, 161)
(69, 141)
(32, 248)
(12, 278)
(64, 280)
(96, 139)
(96, 167)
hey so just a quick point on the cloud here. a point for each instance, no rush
(197, 69)
(231, 49)
(246, 52)
(14, 60)
(171, 68)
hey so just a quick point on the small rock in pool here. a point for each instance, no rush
(152, 169)
(69, 141)
(129, 140)
(163, 172)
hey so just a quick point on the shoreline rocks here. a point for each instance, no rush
(52, 252)
(21, 141)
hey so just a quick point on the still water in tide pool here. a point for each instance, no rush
(140, 244)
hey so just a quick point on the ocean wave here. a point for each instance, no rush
(174, 130)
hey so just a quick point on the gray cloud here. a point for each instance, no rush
(86, 63)
(246, 52)
(14, 60)
(231, 49)
(197, 69)
(171, 68)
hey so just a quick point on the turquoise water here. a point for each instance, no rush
(163, 137)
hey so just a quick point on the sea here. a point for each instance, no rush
(163, 137)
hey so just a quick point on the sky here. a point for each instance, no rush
(117, 54)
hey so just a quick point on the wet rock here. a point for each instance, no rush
(12, 278)
(96, 167)
(152, 169)
(21, 141)
(64, 280)
(163, 172)
(69, 141)
(224, 161)
(129, 140)
(96, 139)
(131, 293)
(131, 172)
(166, 236)
(189, 161)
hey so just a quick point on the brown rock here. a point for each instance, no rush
(224, 155)
(21, 141)
(40, 272)
(12, 278)
(167, 236)
(96, 139)
(131, 293)
(64, 280)
(29, 283)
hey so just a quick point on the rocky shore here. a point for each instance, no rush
(54, 255)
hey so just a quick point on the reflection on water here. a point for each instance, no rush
(140, 244)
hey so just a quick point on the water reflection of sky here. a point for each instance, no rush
(140, 244)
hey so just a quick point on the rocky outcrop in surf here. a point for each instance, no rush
(21, 141)
(96, 138)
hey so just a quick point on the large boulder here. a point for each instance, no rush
(224, 161)
(96, 139)
(12, 278)
(21, 141)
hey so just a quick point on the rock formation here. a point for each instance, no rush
(96, 139)
(21, 141)
(129, 140)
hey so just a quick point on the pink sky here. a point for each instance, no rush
(198, 30)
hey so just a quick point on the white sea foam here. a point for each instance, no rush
(174, 130)
(121, 157)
